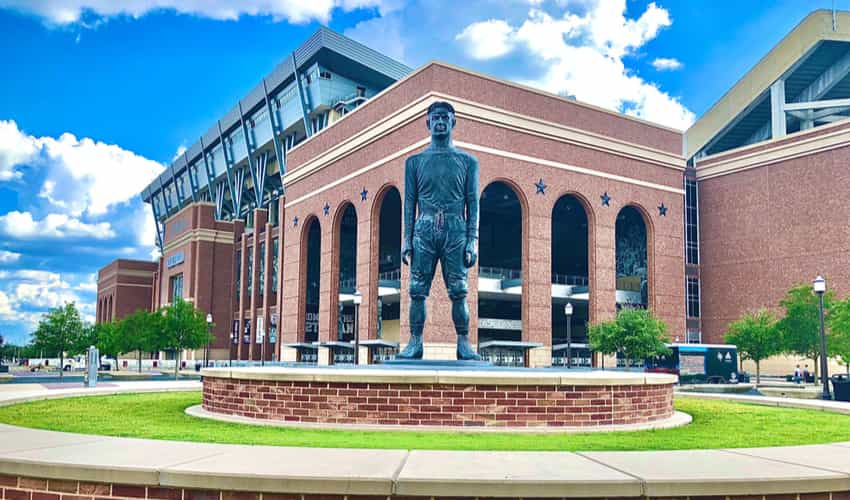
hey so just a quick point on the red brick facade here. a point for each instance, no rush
(767, 228)
(439, 404)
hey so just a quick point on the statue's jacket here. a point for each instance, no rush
(441, 182)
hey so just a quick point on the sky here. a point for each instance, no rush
(98, 96)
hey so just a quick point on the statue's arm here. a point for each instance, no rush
(411, 195)
(472, 199)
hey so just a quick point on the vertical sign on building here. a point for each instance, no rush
(261, 332)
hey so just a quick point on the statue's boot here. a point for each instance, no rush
(465, 351)
(413, 349)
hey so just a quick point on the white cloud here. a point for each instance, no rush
(583, 55)
(65, 12)
(7, 257)
(21, 225)
(90, 285)
(30, 292)
(487, 39)
(177, 154)
(666, 64)
(82, 176)
(15, 148)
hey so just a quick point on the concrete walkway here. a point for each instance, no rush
(267, 469)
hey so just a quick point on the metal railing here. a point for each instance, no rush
(394, 275)
(569, 279)
(499, 273)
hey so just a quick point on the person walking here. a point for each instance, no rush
(806, 374)
(797, 374)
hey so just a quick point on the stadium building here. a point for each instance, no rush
(288, 210)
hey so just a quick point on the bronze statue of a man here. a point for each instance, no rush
(440, 224)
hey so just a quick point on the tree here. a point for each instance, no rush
(59, 331)
(839, 331)
(108, 339)
(140, 332)
(756, 337)
(636, 333)
(799, 330)
(183, 327)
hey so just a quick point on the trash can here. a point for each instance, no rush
(841, 387)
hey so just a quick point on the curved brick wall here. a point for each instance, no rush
(461, 404)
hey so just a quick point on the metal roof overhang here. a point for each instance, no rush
(339, 53)
(748, 93)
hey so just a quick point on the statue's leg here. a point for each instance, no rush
(421, 274)
(455, 274)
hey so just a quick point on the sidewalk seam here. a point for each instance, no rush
(639, 479)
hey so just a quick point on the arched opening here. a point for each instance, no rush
(389, 267)
(347, 273)
(570, 280)
(632, 259)
(500, 267)
(312, 273)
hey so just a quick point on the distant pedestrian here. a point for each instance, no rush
(797, 374)
(806, 374)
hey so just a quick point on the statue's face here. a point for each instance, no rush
(441, 122)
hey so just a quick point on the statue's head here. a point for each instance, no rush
(441, 119)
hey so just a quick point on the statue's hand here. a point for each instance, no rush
(406, 255)
(470, 253)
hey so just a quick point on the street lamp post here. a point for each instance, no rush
(819, 286)
(209, 339)
(234, 337)
(568, 312)
(357, 300)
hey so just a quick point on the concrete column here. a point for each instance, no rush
(244, 302)
(603, 265)
(537, 274)
(777, 109)
(328, 257)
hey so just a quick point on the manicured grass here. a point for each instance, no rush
(716, 424)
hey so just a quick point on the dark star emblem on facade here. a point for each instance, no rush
(541, 187)
(295, 221)
(326, 209)
(662, 210)
(363, 194)
(606, 200)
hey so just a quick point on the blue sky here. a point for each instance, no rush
(97, 96)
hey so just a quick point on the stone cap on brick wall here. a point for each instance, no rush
(442, 376)
(269, 469)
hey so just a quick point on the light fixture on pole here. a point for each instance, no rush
(568, 312)
(209, 339)
(357, 300)
(819, 286)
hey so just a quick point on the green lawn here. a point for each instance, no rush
(716, 424)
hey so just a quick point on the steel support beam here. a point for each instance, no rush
(828, 103)
(177, 187)
(778, 126)
(816, 90)
(193, 182)
(211, 187)
(302, 98)
(276, 129)
(156, 223)
(251, 163)
(235, 200)
(165, 199)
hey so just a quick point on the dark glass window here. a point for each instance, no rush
(176, 287)
(261, 283)
(691, 234)
(238, 275)
(693, 297)
(249, 272)
(275, 249)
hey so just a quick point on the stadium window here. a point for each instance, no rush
(176, 285)
(693, 297)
